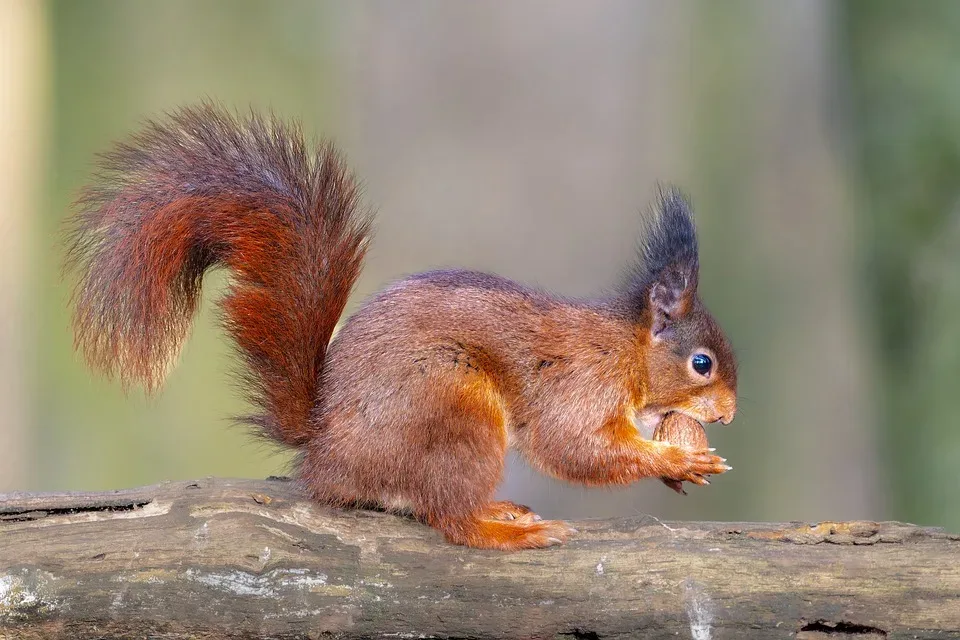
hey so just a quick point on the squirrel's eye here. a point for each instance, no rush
(701, 363)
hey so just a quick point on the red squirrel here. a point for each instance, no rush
(413, 404)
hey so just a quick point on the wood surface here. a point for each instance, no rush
(219, 558)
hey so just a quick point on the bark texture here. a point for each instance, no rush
(220, 558)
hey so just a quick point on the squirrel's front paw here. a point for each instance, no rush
(686, 465)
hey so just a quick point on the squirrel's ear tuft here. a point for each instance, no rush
(664, 277)
(670, 240)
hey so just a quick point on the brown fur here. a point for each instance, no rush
(414, 404)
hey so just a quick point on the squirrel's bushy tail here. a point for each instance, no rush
(205, 188)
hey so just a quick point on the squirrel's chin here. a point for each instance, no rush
(696, 418)
(700, 419)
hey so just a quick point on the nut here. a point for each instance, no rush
(682, 431)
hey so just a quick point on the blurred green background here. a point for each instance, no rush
(819, 140)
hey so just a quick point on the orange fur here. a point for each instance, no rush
(414, 404)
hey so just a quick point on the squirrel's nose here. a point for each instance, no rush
(727, 418)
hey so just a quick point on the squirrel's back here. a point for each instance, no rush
(461, 327)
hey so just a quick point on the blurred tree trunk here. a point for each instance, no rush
(770, 154)
(23, 83)
(905, 68)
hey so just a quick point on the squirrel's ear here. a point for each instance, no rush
(671, 296)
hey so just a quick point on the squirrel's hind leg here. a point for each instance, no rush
(465, 466)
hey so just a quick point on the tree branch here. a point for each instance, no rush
(240, 558)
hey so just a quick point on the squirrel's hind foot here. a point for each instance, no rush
(505, 526)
